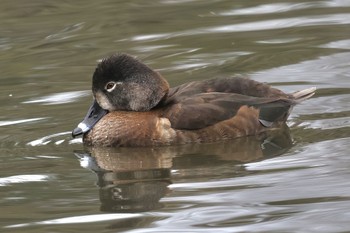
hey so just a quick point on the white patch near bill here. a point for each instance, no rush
(83, 127)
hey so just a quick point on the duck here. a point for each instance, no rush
(134, 106)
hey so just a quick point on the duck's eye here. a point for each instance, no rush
(110, 86)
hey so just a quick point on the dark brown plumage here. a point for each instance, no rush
(143, 111)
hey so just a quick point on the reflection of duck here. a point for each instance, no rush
(135, 179)
(135, 107)
(129, 182)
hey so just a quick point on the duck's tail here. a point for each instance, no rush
(280, 112)
(302, 95)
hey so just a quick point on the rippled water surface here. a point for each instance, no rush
(294, 180)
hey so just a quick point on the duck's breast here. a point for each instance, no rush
(127, 128)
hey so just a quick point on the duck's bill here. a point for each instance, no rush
(94, 114)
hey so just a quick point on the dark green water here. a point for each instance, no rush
(290, 182)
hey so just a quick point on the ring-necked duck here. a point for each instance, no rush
(134, 106)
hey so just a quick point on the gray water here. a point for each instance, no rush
(296, 180)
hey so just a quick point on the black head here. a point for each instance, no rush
(121, 82)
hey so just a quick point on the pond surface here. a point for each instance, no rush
(294, 180)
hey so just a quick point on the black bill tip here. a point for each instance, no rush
(77, 131)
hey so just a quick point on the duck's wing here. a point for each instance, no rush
(205, 109)
(237, 84)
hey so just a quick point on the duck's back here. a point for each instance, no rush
(197, 105)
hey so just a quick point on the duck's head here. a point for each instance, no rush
(122, 83)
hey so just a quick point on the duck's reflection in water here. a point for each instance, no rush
(135, 179)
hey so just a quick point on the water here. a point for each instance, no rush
(295, 180)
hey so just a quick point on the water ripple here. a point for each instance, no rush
(334, 19)
(47, 139)
(341, 44)
(269, 8)
(58, 98)
(319, 20)
(22, 179)
(274, 8)
(79, 219)
(15, 122)
(66, 33)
